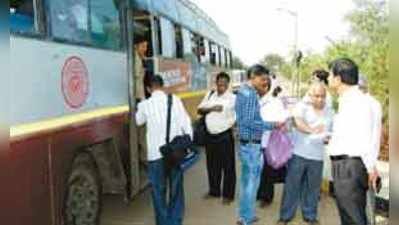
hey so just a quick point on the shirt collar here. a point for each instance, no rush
(350, 92)
(249, 86)
(157, 93)
(222, 95)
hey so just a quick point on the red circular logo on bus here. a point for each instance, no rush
(75, 82)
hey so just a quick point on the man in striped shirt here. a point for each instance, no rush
(251, 127)
(153, 113)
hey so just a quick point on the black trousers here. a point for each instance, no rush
(220, 161)
(266, 187)
(350, 180)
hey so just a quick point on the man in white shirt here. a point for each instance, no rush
(375, 142)
(218, 109)
(353, 157)
(153, 113)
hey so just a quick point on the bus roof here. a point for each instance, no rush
(186, 13)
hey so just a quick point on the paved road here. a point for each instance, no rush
(199, 211)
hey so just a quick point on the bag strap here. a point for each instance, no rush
(168, 117)
(210, 94)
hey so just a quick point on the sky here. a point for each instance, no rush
(256, 28)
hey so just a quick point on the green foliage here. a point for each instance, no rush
(237, 63)
(274, 62)
(368, 47)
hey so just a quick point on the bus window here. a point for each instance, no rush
(198, 46)
(179, 41)
(158, 35)
(222, 57)
(231, 59)
(212, 53)
(226, 58)
(22, 16)
(70, 20)
(201, 45)
(187, 43)
(105, 24)
(219, 56)
(143, 29)
(168, 38)
(206, 52)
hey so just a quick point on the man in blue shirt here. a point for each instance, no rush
(251, 127)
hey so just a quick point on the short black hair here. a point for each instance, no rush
(223, 75)
(277, 91)
(347, 69)
(139, 39)
(156, 81)
(257, 70)
(269, 83)
(322, 75)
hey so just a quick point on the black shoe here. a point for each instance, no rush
(264, 204)
(282, 222)
(255, 219)
(239, 222)
(227, 201)
(209, 196)
(312, 222)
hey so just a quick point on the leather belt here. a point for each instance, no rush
(343, 157)
(244, 142)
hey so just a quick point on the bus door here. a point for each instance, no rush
(30, 199)
(143, 29)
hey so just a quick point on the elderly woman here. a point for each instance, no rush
(304, 171)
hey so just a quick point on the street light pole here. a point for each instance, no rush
(296, 79)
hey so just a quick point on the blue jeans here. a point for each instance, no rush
(302, 185)
(171, 211)
(251, 168)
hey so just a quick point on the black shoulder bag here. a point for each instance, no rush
(201, 133)
(174, 152)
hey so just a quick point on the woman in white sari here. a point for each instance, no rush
(272, 109)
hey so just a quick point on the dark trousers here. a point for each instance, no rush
(302, 187)
(350, 180)
(167, 194)
(266, 187)
(220, 161)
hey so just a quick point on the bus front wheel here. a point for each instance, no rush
(83, 197)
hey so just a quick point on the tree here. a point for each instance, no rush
(237, 63)
(368, 47)
(274, 62)
(370, 27)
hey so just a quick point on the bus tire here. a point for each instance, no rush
(83, 196)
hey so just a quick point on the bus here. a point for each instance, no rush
(73, 137)
(238, 76)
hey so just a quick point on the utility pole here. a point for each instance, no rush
(295, 80)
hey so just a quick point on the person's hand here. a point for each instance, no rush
(318, 129)
(217, 108)
(280, 125)
(327, 139)
(373, 176)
